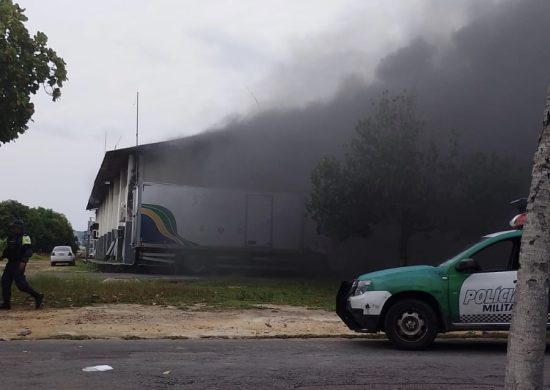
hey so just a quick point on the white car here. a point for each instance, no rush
(62, 254)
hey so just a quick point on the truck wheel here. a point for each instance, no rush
(411, 324)
(197, 265)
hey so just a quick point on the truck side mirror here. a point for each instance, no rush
(468, 265)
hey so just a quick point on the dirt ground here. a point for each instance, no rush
(133, 321)
(145, 321)
(140, 321)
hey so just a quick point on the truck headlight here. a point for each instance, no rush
(362, 287)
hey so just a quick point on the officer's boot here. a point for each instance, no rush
(38, 299)
(6, 297)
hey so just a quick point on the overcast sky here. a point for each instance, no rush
(195, 64)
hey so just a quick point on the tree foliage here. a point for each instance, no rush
(396, 172)
(390, 173)
(46, 227)
(26, 64)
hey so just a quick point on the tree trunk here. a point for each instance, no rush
(527, 338)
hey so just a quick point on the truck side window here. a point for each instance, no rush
(497, 257)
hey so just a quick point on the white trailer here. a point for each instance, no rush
(197, 227)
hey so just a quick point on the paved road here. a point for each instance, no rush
(348, 364)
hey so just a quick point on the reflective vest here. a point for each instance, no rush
(18, 248)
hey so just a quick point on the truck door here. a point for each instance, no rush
(486, 295)
(259, 220)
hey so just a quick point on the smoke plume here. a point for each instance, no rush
(487, 81)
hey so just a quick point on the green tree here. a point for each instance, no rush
(395, 172)
(46, 227)
(10, 210)
(49, 229)
(26, 64)
(340, 203)
(391, 172)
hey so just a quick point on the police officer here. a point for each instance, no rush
(18, 251)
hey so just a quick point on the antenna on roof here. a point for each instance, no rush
(254, 97)
(137, 118)
(119, 138)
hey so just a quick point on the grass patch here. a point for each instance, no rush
(217, 293)
(40, 257)
(80, 266)
(43, 260)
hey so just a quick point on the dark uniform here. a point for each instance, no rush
(18, 251)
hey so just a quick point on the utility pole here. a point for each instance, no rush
(137, 118)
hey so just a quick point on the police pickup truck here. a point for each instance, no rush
(473, 290)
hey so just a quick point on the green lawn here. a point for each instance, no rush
(230, 292)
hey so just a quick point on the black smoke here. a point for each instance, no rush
(488, 83)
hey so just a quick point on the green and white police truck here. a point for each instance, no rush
(473, 290)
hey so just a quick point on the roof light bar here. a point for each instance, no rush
(518, 221)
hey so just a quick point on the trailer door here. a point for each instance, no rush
(259, 220)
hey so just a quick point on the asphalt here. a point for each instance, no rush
(251, 364)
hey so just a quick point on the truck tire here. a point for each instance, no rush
(197, 265)
(411, 324)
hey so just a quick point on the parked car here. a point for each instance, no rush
(62, 254)
(473, 290)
